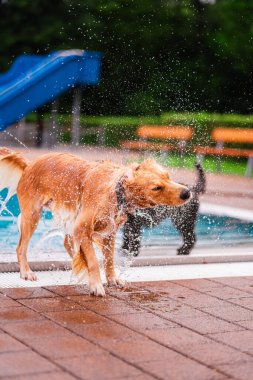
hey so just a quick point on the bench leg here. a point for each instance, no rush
(199, 158)
(249, 167)
(218, 164)
(164, 157)
(182, 157)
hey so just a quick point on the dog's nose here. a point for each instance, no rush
(185, 194)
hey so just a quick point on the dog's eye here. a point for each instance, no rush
(157, 188)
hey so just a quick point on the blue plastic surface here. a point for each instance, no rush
(34, 81)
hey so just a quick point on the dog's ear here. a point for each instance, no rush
(152, 165)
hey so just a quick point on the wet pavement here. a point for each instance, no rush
(197, 329)
(185, 329)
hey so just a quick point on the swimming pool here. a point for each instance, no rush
(211, 230)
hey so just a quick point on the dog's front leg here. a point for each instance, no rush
(132, 235)
(84, 252)
(95, 283)
(108, 252)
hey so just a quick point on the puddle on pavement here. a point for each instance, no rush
(147, 297)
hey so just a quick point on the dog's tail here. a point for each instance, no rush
(79, 264)
(12, 165)
(200, 186)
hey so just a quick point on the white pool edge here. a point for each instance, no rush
(137, 274)
(221, 210)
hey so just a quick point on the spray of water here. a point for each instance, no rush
(3, 207)
(16, 139)
(54, 232)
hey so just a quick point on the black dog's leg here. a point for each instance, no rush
(189, 239)
(132, 235)
(184, 219)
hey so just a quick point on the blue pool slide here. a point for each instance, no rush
(34, 80)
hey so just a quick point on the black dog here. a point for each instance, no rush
(183, 218)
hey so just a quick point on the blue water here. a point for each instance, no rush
(211, 230)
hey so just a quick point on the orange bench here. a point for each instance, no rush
(229, 135)
(166, 134)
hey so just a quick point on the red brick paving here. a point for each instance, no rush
(7, 343)
(197, 329)
(23, 363)
(35, 329)
(27, 293)
(51, 375)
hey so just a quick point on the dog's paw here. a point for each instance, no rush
(183, 252)
(28, 276)
(116, 282)
(97, 289)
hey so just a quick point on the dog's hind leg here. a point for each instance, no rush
(108, 245)
(185, 219)
(29, 222)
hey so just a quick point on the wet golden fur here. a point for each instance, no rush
(82, 197)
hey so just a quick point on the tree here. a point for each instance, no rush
(158, 54)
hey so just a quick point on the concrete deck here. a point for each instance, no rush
(197, 329)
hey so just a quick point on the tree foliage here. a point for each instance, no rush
(159, 55)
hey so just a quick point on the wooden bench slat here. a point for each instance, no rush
(234, 135)
(229, 135)
(165, 132)
(232, 152)
(148, 145)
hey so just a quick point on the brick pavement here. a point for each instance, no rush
(187, 329)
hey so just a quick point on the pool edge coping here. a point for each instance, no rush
(143, 261)
(221, 210)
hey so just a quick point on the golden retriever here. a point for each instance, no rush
(88, 199)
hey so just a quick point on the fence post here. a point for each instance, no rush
(54, 133)
(40, 128)
(75, 132)
(249, 167)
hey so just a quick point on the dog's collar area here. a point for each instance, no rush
(122, 204)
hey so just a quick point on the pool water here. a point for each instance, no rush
(210, 229)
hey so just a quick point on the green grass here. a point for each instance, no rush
(228, 166)
(187, 118)
(215, 119)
